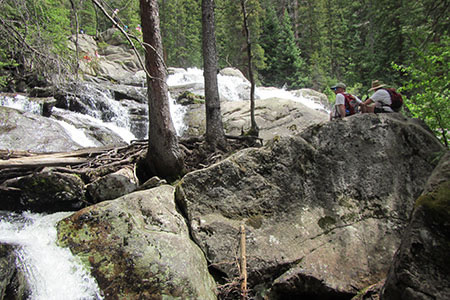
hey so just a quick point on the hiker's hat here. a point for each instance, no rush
(376, 84)
(339, 85)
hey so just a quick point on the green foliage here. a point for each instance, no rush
(437, 203)
(283, 62)
(35, 36)
(181, 31)
(428, 86)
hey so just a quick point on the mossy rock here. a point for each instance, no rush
(326, 222)
(187, 98)
(437, 203)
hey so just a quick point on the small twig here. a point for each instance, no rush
(243, 265)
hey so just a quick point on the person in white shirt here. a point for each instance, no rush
(342, 109)
(379, 102)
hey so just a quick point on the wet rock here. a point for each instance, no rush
(13, 284)
(30, 132)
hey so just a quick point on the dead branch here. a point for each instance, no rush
(243, 264)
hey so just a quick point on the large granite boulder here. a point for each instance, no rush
(275, 117)
(138, 247)
(421, 266)
(324, 210)
(114, 62)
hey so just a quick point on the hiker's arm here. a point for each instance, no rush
(341, 109)
(367, 102)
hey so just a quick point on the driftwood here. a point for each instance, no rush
(91, 163)
(87, 162)
(25, 159)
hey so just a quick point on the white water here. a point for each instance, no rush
(77, 135)
(53, 273)
(21, 103)
(229, 87)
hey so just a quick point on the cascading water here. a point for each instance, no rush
(22, 103)
(235, 88)
(52, 272)
(101, 110)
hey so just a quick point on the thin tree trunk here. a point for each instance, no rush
(254, 130)
(295, 20)
(215, 135)
(164, 157)
(77, 48)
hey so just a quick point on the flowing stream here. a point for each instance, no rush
(52, 272)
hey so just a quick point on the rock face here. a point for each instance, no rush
(114, 62)
(138, 247)
(421, 266)
(275, 117)
(324, 210)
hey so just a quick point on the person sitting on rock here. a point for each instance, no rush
(379, 102)
(346, 104)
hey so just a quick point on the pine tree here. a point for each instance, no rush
(181, 32)
(284, 63)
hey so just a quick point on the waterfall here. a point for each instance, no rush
(52, 272)
(22, 103)
(236, 88)
(101, 111)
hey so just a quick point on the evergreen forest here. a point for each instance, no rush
(294, 43)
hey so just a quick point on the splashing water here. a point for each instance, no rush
(77, 135)
(235, 88)
(52, 272)
(177, 113)
(22, 103)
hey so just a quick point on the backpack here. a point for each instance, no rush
(396, 99)
(349, 104)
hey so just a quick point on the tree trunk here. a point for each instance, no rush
(77, 30)
(164, 157)
(254, 130)
(215, 135)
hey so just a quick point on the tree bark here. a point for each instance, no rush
(215, 135)
(164, 157)
(254, 130)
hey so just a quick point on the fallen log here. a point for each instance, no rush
(40, 161)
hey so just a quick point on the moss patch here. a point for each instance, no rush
(191, 98)
(326, 222)
(437, 203)
(255, 221)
